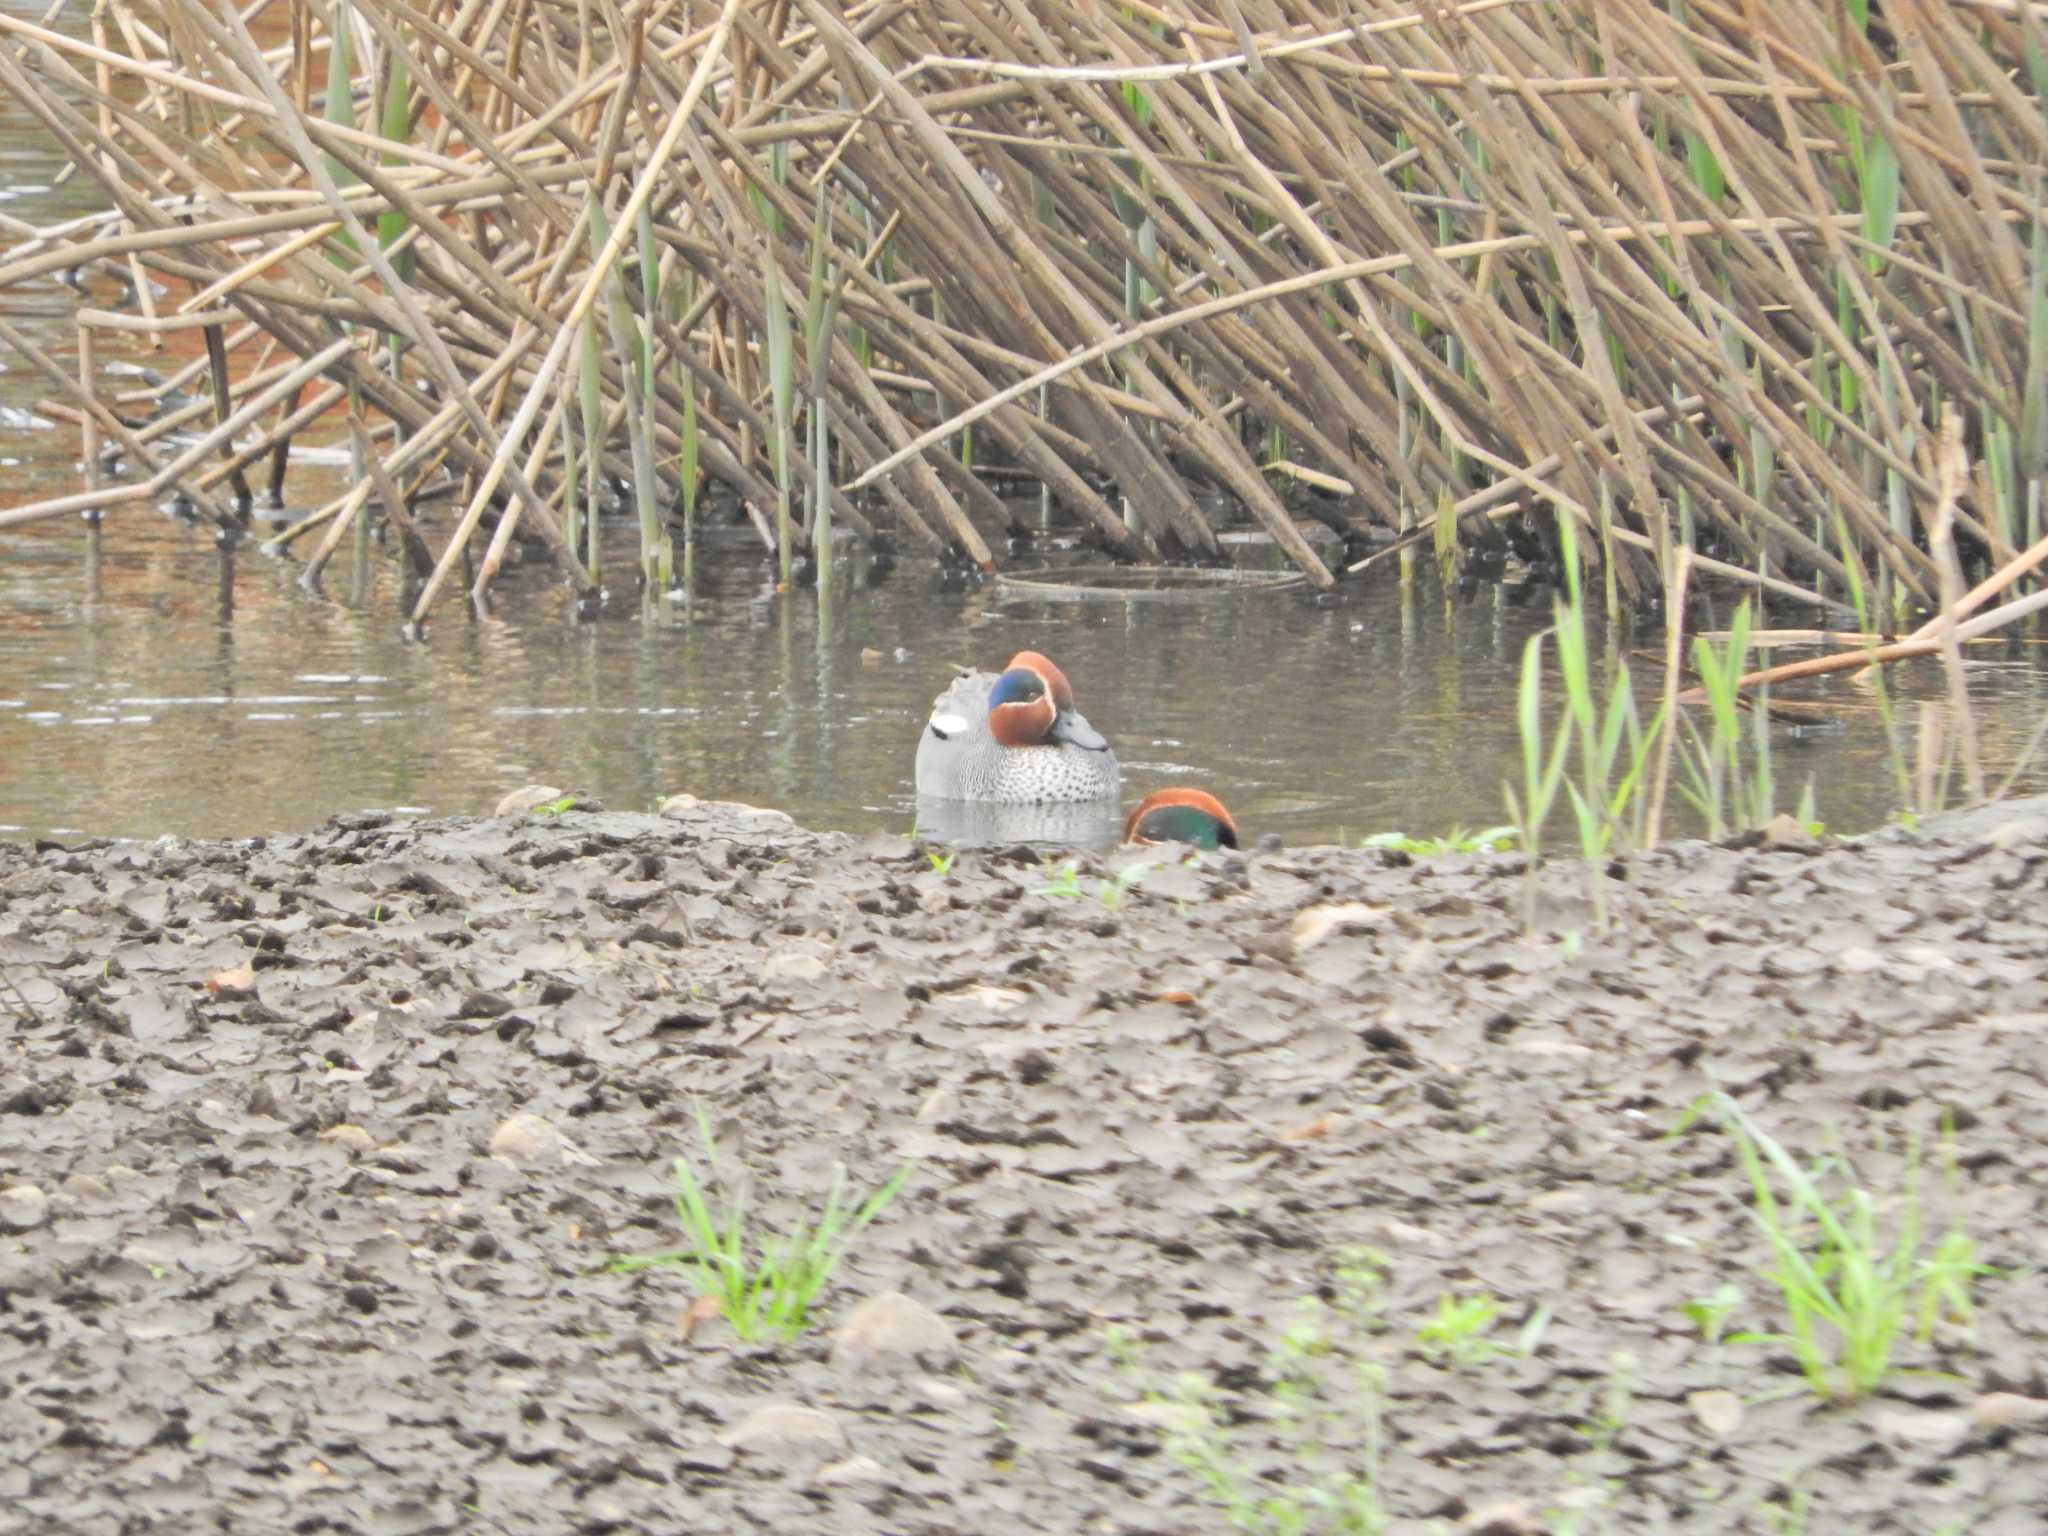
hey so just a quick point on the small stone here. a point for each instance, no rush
(793, 965)
(892, 1330)
(784, 1427)
(23, 1207)
(520, 801)
(1408, 1233)
(522, 1138)
(1508, 1517)
(1995, 1410)
(354, 1137)
(934, 1392)
(85, 1186)
(855, 1469)
(675, 805)
(1718, 1411)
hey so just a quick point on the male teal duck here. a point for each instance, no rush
(1181, 816)
(1014, 738)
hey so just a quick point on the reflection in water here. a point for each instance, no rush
(979, 823)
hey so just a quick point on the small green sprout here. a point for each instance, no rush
(1457, 840)
(1457, 1334)
(1709, 1314)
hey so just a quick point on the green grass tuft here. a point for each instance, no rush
(764, 1286)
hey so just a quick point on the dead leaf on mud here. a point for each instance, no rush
(1316, 924)
(1309, 1130)
(1719, 1411)
(237, 981)
(697, 1314)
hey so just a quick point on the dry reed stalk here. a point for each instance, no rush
(1464, 254)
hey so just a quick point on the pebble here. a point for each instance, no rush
(86, 1186)
(522, 1138)
(793, 965)
(784, 1427)
(354, 1137)
(1995, 1410)
(892, 1330)
(1719, 1411)
(855, 1469)
(23, 1207)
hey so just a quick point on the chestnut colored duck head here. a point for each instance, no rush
(1190, 816)
(1014, 738)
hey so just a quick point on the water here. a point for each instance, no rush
(151, 684)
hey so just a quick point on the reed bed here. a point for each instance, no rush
(1696, 275)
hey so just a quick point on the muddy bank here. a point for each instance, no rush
(261, 1269)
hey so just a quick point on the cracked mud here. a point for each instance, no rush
(312, 1151)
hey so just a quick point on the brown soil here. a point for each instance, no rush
(260, 1268)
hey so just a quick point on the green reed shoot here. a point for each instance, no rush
(821, 313)
(590, 406)
(1730, 797)
(2033, 444)
(1609, 795)
(778, 341)
(341, 85)
(1542, 771)
(1849, 1297)
(765, 1286)
(657, 557)
(687, 471)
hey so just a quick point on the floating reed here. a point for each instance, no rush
(1694, 274)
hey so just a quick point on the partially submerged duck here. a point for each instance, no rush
(1181, 816)
(1014, 738)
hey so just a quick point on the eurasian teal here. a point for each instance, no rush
(1013, 738)
(1181, 816)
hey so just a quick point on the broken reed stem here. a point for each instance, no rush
(1952, 475)
(1674, 669)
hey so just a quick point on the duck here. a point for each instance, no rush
(1191, 816)
(1014, 738)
